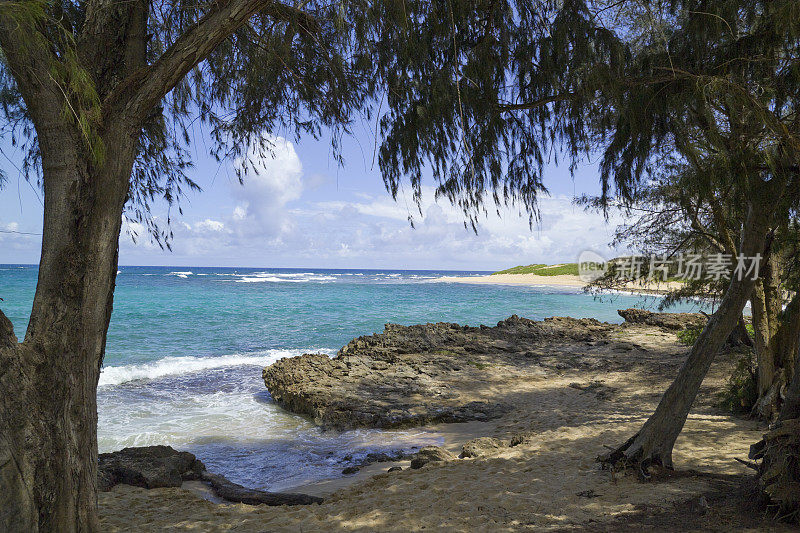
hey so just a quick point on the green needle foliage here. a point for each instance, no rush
(476, 94)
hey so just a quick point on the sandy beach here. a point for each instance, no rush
(562, 280)
(569, 404)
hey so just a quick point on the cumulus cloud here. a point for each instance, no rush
(274, 179)
(273, 224)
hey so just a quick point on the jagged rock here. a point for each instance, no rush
(405, 376)
(672, 321)
(430, 454)
(162, 466)
(149, 467)
(482, 446)
(383, 457)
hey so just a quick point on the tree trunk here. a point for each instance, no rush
(769, 325)
(775, 352)
(653, 444)
(48, 451)
(739, 336)
(779, 472)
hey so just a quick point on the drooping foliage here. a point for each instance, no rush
(477, 94)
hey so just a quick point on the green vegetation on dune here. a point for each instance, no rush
(527, 269)
(543, 270)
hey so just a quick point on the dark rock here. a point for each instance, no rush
(430, 454)
(395, 469)
(149, 467)
(481, 447)
(384, 457)
(162, 466)
(408, 375)
(350, 470)
(671, 321)
(518, 438)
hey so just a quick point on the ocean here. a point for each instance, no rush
(186, 347)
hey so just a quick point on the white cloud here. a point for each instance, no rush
(274, 179)
(210, 225)
(273, 225)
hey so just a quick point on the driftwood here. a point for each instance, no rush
(230, 491)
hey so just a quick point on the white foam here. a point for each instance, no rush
(266, 277)
(183, 275)
(115, 375)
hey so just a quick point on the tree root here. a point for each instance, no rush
(635, 456)
(779, 472)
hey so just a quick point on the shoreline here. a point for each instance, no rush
(573, 393)
(561, 281)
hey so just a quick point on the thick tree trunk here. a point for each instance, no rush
(770, 328)
(653, 444)
(48, 451)
(775, 354)
(779, 472)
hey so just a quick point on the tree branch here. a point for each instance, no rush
(145, 89)
(537, 103)
(29, 60)
(7, 337)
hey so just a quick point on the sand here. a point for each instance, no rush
(563, 280)
(549, 482)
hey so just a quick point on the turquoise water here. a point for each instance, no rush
(186, 347)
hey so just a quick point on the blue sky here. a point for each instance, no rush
(302, 210)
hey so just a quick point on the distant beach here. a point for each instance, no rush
(561, 280)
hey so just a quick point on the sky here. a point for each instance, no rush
(304, 211)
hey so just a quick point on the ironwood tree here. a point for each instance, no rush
(688, 210)
(101, 96)
(702, 82)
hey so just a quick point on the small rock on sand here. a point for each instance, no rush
(481, 446)
(430, 454)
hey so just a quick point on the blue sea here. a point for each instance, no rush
(186, 347)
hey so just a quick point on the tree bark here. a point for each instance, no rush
(776, 347)
(769, 324)
(49, 422)
(779, 471)
(653, 444)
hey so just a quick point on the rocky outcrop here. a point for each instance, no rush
(153, 467)
(671, 321)
(407, 375)
(431, 454)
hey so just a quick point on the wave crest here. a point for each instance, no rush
(116, 375)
